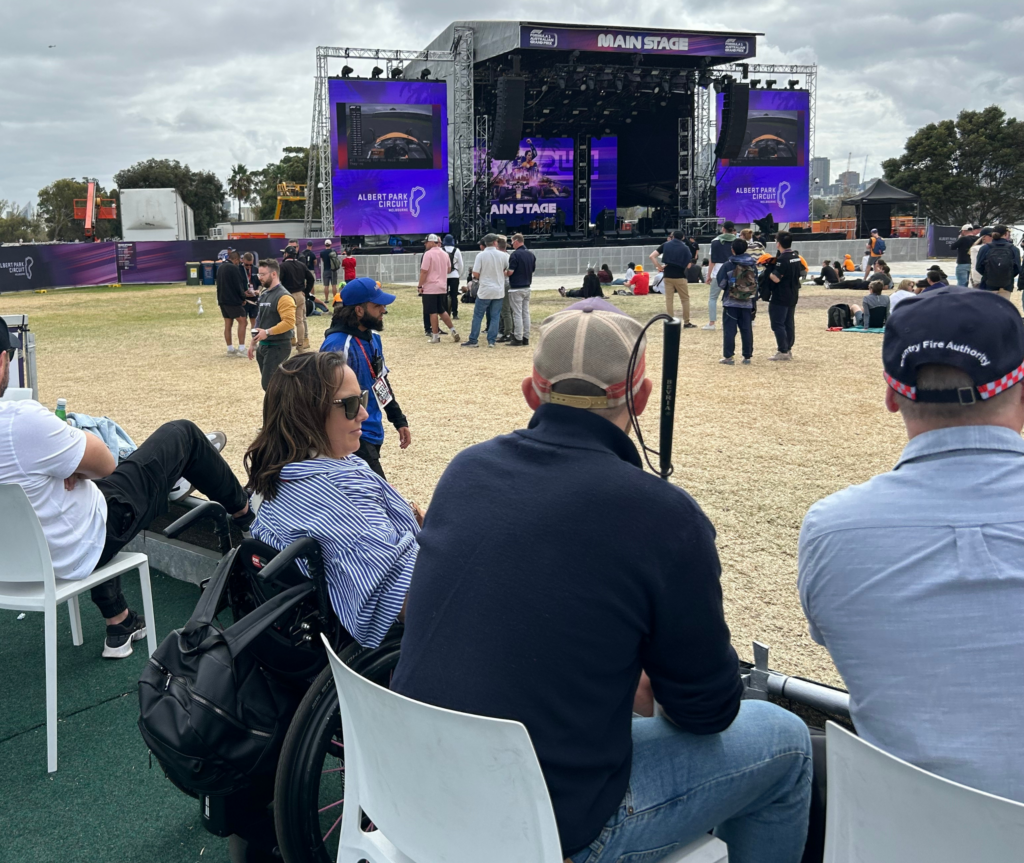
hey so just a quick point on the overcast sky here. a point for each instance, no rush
(217, 82)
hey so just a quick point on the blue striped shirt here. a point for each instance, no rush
(366, 530)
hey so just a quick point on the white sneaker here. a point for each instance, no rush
(231, 350)
(710, 326)
(455, 336)
(727, 361)
(218, 439)
(435, 339)
(240, 351)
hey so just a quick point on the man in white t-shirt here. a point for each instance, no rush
(489, 271)
(433, 287)
(89, 506)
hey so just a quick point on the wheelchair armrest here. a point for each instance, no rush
(207, 509)
(306, 547)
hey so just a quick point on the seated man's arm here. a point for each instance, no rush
(47, 445)
(97, 462)
(693, 669)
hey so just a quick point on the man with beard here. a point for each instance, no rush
(271, 342)
(354, 331)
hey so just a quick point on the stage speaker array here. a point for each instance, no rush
(508, 125)
(735, 101)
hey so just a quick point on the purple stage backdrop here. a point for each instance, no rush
(604, 157)
(637, 41)
(534, 185)
(771, 174)
(389, 156)
(32, 267)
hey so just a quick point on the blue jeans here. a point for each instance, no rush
(963, 273)
(481, 308)
(751, 784)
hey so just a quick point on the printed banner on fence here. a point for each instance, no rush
(35, 267)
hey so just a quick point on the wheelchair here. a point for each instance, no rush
(294, 815)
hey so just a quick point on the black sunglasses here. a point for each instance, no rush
(10, 354)
(353, 403)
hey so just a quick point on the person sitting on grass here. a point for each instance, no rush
(605, 275)
(875, 299)
(848, 263)
(828, 275)
(941, 588)
(630, 269)
(695, 272)
(739, 271)
(640, 281)
(303, 464)
(89, 506)
(934, 268)
(904, 290)
(591, 287)
(934, 280)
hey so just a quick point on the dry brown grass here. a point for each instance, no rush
(755, 445)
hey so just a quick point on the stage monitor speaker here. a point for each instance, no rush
(606, 221)
(735, 102)
(508, 124)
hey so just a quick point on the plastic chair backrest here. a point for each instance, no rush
(883, 810)
(442, 785)
(15, 394)
(24, 555)
(877, 317)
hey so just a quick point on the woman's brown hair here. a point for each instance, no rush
(295, 412)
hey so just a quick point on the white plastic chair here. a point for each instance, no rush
(15, 394)
(883, 810)
(446, 786)
(27, 583)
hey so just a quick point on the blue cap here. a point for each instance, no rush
(364, 291)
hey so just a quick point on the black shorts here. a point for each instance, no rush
(435, 304)
(251, 309)
(232, 312)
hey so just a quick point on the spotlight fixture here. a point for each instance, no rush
(755, 83)
(666, 85)
(583, 85)
(377, 72)
(346, 71)
(426, 73)
(792, 83)
(770, 83)
(560, 81)
(619, 83)
(591, 83)
(704, 81)
(397, 72)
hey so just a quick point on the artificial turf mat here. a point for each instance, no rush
(104, 803)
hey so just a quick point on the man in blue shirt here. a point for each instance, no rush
(556, 634)
(914, 581)
(354, 331)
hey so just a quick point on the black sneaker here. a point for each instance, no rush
(526, 341)
(244, 522)
(118, 643)
(514, 342)
(689, 326)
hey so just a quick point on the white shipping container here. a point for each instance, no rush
(155, 214)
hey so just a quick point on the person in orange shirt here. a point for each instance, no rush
(640, 281)
(848, 264)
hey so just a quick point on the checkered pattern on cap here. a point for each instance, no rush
(986, 391)
(902, 389)
(591, 344)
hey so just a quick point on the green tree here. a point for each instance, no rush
(966, 170)
(240, 186)
(201, 190)
(293, 168)
(56, 211)
(17, 223)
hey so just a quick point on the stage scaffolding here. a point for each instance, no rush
(460, 79)
(703, 220)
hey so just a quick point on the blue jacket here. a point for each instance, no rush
(360, 346)
(985, 251)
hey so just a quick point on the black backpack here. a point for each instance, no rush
(999, 266)
(840, 315)
(209, 712)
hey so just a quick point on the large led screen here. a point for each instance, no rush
(604, 157)
(529, 190)
(389, 145)
(771, 173)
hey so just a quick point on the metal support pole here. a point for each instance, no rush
(669, 374)
(463, 137)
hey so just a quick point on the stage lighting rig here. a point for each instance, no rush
(376, 72)
(704, 81)
(426, 73)
(620, 82)
(397, 72)
(770, 83)
(793, 83)
(346, 71)
(755, 83)
(591, 82)
(666, 85)
(745, 69)
(560, 81)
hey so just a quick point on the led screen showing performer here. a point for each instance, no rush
(529, 190)
(770, 175)
(389, 148)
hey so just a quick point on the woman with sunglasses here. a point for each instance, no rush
(302, 464)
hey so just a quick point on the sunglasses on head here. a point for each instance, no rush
(353, 403)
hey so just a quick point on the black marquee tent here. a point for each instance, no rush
(874, 207)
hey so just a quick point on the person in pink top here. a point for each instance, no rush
(433, 287)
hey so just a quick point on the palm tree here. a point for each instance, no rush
(240, 186)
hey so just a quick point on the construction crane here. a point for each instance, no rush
(288, 192)
(92, 208)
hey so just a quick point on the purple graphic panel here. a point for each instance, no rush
(604, 157)
(529, 190)
(771, 173)
(638, 42)
(32, 267)
(389, 156)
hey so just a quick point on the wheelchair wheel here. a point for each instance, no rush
(309, 789)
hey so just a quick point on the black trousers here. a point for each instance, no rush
(269, 355)
(453, 297)
(136, 492)
(783, 326)
(370, 453)
(737, 319)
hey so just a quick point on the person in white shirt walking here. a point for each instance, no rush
(489, 271)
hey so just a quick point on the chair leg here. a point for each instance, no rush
(147, 606)
(50, 636)
(76, 622)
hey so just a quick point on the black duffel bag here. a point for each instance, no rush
(211, 715)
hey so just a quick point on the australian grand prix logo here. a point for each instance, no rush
(19, 269)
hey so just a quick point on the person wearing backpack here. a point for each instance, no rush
(738, 280)
(875, 250)
(455, 275)
(998, 263)
(329, 266)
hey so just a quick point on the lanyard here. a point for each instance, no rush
(369, 365)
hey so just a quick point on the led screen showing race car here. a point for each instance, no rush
(389, 148)
(771, 172)
(529, 190)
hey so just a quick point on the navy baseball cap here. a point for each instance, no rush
(8, 339)
(978, 332)
(366, 290)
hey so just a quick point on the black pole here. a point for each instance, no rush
(670, 370)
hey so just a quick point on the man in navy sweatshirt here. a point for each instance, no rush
(559, 636)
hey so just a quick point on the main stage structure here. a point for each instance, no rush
(653, 89)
